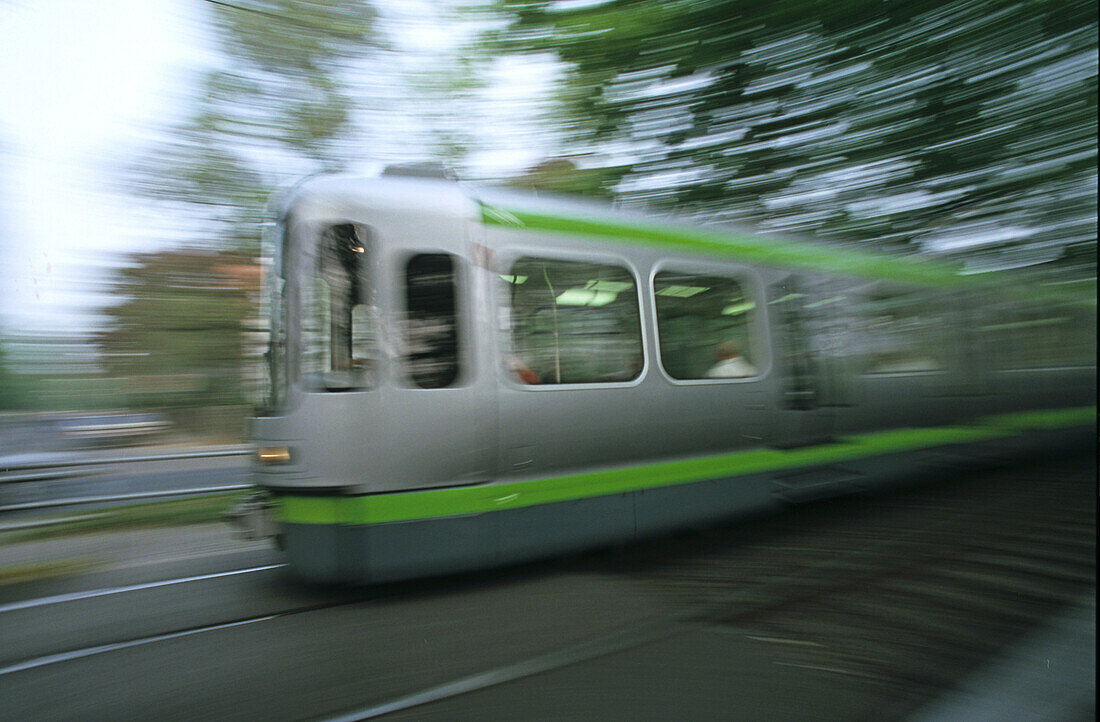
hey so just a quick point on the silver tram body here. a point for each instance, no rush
(463, 378)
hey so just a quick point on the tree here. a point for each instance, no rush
(177, 337)
(277, 108)
(927, 125)
(562, 175)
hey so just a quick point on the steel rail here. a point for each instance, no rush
(108, 591)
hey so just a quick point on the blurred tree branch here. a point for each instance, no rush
(277, 109)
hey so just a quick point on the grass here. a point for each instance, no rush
(196, 510)
(45, 570)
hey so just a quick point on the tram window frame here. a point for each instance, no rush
(523, 363)
(338, 331)
(749, 346)
(453, 372)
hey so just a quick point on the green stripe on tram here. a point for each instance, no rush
(407, 506)
(308, 509)
(746, 248)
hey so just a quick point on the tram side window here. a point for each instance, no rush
(431, 323)
(703, 324)
(572, 323)
(339, 339)
(903, 332)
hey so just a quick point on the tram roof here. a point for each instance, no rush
(598, 221)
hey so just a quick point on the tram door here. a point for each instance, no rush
(442, 405)
(808, 386)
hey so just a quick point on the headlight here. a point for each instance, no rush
(273, 455)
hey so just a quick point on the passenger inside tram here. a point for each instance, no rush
(520, 372)
(730, 363)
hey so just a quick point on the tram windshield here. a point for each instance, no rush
(338, 325)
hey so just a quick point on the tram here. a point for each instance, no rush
(462, 377)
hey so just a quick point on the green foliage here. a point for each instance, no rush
(12, 391)
(561, 175)
(177, 337)
(905, 124)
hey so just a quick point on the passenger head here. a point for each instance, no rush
(727, 350)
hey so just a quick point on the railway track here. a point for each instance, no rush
(898, 595)
(913, 590)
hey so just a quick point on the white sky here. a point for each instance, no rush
(83, 83)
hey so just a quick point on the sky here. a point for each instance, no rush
(84, 83)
